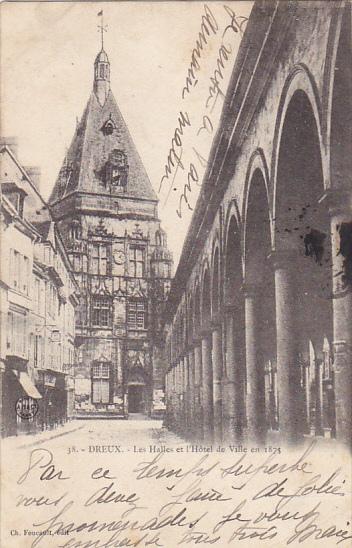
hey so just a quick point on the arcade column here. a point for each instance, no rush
(233, 383)
(217, 378)
(207, 387)
(339, 203)
(191, 393)
(291, 422)
(174, 396)
(255, 400)
(184, 362)
(177, 396)
(198, 390)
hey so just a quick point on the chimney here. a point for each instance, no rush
(12, 143)
(34, 174)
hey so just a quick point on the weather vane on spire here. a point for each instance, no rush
(102, 28)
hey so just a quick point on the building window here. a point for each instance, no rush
(101, 382)
(136, 256)
(17, 334)
(36, 295)
(25, 275)
(101, 311)
(99, 259)
(75, 230)
(47, 254)
(14, 268)
(136, 315)
(37, 341)
(52, 301)
(76, 262)
(19, 271)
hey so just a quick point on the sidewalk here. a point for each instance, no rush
(31, 440)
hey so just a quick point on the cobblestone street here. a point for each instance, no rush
(98, 432)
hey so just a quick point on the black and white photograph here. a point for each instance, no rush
(176, 273)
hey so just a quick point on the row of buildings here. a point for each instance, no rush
(84, 278)
(259, 317)
(38, 299)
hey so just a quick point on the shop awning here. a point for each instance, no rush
(27, 385)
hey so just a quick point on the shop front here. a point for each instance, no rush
(20, 399)
(52, 386)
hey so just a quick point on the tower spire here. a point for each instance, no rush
(102, 67)
(102, 28)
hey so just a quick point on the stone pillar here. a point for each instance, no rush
(181, 418)
(185, 394)
(207, 388)
(233, 390)
(174, 397)
(198, 391)
(180, 396)
(339, 203)
(274, 399)
(217, 378)
(192, 430)
(255, 401)
(166, 419)
(288, 359)
(319, 430)
(307, 396)
(177, 397)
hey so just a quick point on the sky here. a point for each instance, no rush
(47, 56)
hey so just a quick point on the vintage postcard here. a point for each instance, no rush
(176, 274)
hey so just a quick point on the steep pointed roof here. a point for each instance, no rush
(90, 151)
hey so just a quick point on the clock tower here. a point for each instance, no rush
(107, 212)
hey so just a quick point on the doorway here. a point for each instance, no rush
(136, 399)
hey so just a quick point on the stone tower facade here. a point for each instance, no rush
(107, 212)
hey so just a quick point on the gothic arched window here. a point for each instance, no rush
(158, 238)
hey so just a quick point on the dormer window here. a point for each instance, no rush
(109, 126)
(117, 169)
(15, 195)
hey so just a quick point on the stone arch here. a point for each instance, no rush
(259, 290)
(257, 165)
(340, 19)
(299, 79)
(302, 247)
(232, 212)
(233, 259)
(299, 175)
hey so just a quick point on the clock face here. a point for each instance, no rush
(119, 257)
